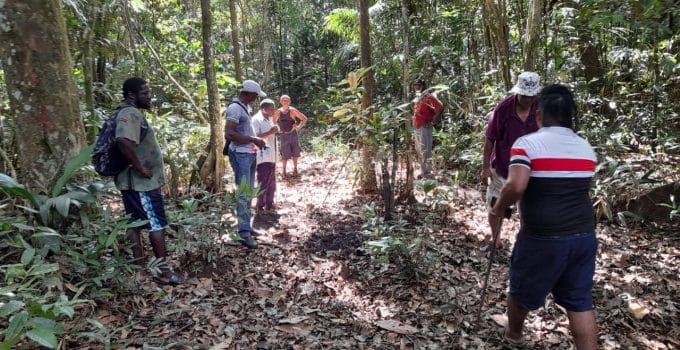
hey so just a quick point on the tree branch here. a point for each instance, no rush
(187, 95)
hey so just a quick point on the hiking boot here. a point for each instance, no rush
(249, 242)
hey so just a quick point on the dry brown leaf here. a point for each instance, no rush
(293, 320)
(300, 330)
(500, 319)
(396, 326)
(638, 310)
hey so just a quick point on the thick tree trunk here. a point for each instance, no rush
(213, 168)
(235, 43)
(533, 35)
(496, 20)
(368, 180)
(42, 90)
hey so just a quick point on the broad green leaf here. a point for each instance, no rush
(8, 343)
(46, 324)
(136, 224)
(84, 157)
(11, 186)
(341, 112)
(43, 337)
(27, 255)
(66, 310)
(43, 269)
(111, 238)
(16, 325)
(11, 307)
(23, 226)
(62, 204)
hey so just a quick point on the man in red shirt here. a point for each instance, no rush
(428, 111)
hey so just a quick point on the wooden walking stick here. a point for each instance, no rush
(492, 255)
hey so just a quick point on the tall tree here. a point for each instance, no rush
(368, 181)
(39, 78)
(406, 192)
(533, 33)
(496, 22)
(235, 43)
(213, 168)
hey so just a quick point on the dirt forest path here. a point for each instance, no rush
(312, 284)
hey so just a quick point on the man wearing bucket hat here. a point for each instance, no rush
(242, 152)
(513, 118)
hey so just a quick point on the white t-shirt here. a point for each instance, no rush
(261, 125)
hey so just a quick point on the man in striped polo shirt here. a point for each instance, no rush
(550, 173)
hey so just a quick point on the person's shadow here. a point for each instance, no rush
(265, 220)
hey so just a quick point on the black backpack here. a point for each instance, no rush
(106, 157)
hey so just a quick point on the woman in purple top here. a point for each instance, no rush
(513, 118)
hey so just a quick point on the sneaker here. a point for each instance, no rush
(249, 242)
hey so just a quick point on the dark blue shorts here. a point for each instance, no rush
(146, 206)
(563, 266)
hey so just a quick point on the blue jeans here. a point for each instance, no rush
(243, 165)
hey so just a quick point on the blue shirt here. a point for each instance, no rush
(236, 112)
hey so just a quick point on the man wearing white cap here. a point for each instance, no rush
(266, 159)
(513, 118)
(242, 153)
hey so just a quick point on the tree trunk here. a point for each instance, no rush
(406, 193)
(88, 68)
(496, 20)
(213, 168)
(368, 181)
(533, 35)
(41, 87)
(235, 42)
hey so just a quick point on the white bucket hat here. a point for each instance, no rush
(252, 86)
(528, 84)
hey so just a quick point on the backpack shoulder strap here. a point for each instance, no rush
(240, 104)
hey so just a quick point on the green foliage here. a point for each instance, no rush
(47, 273)
(674, 207)
(344, 23)
(44, 208)
(397, 243)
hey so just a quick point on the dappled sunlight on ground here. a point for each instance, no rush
(313, 284)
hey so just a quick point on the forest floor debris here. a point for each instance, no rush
(313, 284)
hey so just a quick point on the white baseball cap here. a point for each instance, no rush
(528, 84)
(252, 86)
(267, 101)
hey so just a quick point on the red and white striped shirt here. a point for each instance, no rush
(557, 200)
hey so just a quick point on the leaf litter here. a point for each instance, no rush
(313, 285)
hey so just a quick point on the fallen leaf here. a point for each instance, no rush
(500, 319)
(638, 310)
(300, 330)
(396, 326)
(293, 320)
